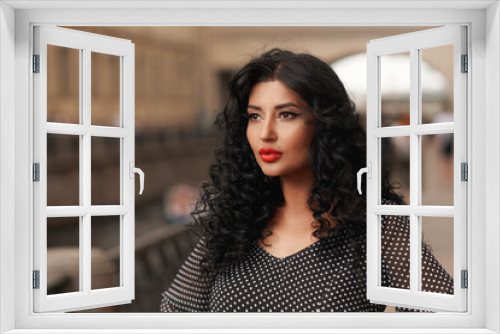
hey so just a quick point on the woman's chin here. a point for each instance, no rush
(270, 173)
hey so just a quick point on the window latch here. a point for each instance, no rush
(138, 171)
(368, 171)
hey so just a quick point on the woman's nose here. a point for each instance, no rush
(268, 131)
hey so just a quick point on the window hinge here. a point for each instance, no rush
(465, 279)
(36, 63)
(36, 172)
(465, 64)
(464, 172)
(36, 279)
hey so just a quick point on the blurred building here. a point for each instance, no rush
(182, 72)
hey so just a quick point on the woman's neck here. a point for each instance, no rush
(296, 193)
(295, 215)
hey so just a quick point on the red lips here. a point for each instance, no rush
(269, 154)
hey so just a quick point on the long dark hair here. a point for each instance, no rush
(235, 207)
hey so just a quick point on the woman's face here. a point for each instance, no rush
(280, 120)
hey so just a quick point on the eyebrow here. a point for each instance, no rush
(279, 106)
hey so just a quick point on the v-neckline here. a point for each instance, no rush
(288, 256)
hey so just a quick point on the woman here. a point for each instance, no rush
(284, 227)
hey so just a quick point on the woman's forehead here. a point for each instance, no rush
(276, 94)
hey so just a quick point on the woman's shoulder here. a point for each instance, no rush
(198, 251)
(400, 222)
(387, 201)
(201, 245)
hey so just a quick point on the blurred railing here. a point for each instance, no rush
(168, 157)
(177, 142)
(158, 257)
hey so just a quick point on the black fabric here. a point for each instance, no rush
(319, 278)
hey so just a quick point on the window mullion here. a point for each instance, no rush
(415, 159)
(460, 155)
(127, 122)
(40, 155)
(85, 161)
(373, 186)
(82, 105)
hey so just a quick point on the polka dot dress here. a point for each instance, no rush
(319, 278)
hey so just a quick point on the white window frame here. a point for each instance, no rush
(16, 20)
(414, 43)
(86, 44)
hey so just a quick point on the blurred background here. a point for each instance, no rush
(181, 77)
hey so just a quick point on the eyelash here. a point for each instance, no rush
(292, 115)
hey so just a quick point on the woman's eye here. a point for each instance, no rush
(288, 115)
(252, 116)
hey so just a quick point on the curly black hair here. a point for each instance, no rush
(235, 207)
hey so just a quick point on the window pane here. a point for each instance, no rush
(395, 89)
(437, 84)
(63, 255)
(437, 259)
(105, 170)
(105, 89)
(105, 241)
(63, 85)
(63, 170)
(437, 169)
(395, 252)
(396, 164)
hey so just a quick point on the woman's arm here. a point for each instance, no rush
(190, 290)
(396, 260)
